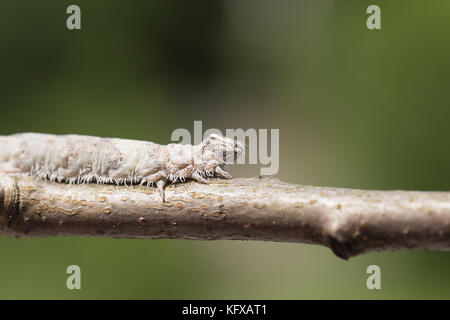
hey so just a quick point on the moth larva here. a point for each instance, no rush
(86, 159)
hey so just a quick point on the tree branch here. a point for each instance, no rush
(348, 221)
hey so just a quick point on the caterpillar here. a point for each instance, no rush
(77, 159)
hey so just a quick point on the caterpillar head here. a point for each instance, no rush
(222, 149)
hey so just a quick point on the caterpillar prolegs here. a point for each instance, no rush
(76, 159)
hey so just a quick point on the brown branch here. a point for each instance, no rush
(348, 221)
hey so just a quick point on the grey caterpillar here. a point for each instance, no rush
(77, 159)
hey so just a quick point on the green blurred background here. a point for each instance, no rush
(355, 108)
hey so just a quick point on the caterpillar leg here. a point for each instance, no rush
(160, 178)
(196, 176)
(223, 173)
(160, 185)
(182, 174)
(213, 166)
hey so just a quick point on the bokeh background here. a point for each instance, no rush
(355, 108)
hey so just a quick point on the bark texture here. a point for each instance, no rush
(348, 221)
